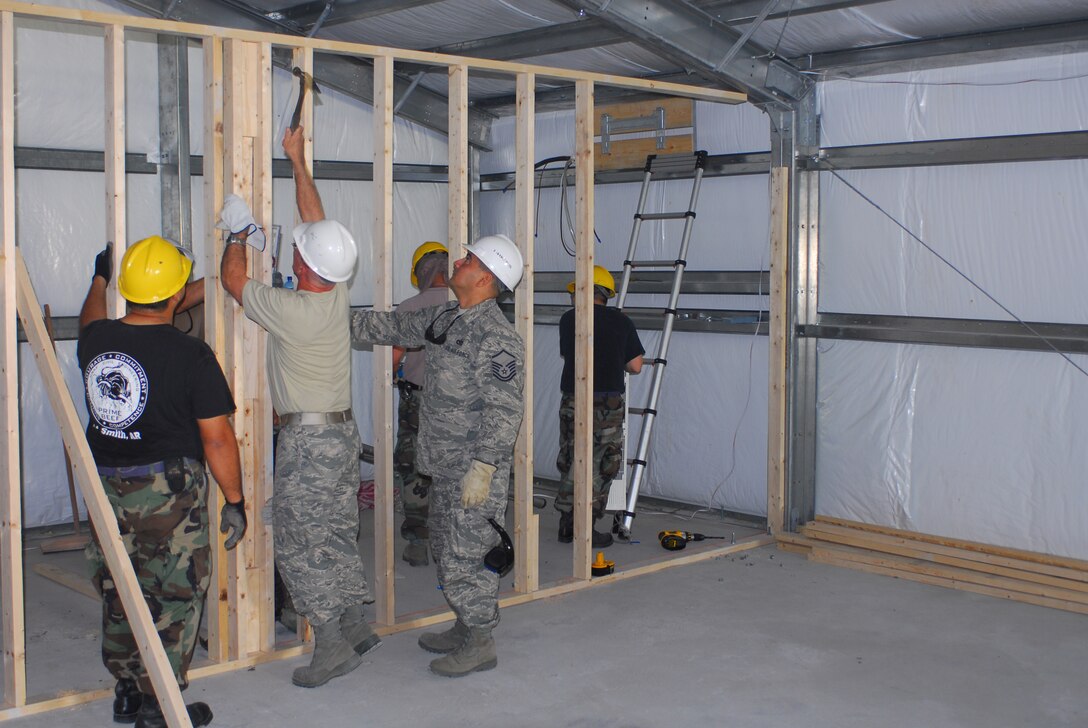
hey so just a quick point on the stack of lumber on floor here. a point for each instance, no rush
(1025, 576)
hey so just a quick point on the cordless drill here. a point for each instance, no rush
(676, 540)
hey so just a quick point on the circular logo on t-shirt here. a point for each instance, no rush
(116, 389)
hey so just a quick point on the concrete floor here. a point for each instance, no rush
(758, 639)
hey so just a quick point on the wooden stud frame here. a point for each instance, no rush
(238, 144)
(382, 414)
(11, 527)
(778, 376)
(583, 328)
(526, 523)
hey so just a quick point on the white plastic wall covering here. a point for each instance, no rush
(59, 213)
(974, 444)
(730, 233)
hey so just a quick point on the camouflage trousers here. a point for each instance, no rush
(460, 539)
(414, 486)
(315, 511)
(608, 412)
(165, 533)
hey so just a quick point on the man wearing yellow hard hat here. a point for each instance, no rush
(430, 266)
(616, 350)
(159, 406)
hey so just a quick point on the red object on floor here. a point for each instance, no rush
(366, 494)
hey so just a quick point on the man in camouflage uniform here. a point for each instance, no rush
(616, 349)
(468, 423)
(315, 507)
(430, 262)
(158, 404)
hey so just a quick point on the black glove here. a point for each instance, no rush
(103, 262)
(233, 518)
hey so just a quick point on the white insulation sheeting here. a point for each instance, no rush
(709, 445)
(62, 218)
(975, 444)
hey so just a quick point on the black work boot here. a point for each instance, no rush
(566, 527)
(444, 642)
(150, 714)
(333, 657)
(126, 701)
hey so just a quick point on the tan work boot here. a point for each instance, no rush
(475, 655)
(357, 631)
(444, 642)
(333, 657)
(415, 553)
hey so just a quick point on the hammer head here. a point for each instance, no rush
(306, 81)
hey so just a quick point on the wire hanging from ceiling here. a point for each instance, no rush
(835, 173)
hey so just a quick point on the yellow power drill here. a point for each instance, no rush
(676, 540)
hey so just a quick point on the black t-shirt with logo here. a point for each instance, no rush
(146, 387)
(615, 342)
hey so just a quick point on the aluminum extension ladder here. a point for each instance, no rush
(637, 465)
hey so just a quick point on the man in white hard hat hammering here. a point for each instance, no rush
(315, 507)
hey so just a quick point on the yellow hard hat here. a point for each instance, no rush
(602, 278)
(429, 247)
(152, 270)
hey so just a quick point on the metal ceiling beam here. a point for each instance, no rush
(344, 11)
(547, 40)
(1006, 44)
(591, 32)
(351, 76)
(699, 42)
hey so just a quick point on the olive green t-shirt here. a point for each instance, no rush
(309, 345)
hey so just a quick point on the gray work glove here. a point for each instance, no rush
(236, 217)
(233, 518)
(103, 263)
(476, 484)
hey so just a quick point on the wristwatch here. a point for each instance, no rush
(233, 239)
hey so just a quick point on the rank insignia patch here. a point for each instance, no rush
(504, 366)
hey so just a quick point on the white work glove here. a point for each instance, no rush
(236, 217)
(476, 484)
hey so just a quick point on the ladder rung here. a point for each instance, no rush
(664, 215)
(653, 263)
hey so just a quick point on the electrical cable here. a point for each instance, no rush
(835, 172)
(789, 14)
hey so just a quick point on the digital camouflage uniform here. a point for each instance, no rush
(316, 519)
(315, 507)
(414, 486)
(608, 411)
(165, 534)
(472, 411)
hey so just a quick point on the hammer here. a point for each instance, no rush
(305, 81)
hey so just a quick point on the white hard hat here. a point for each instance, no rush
(328, 248)
(500, 256)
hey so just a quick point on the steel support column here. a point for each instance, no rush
(802, 354)
(175, 182)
